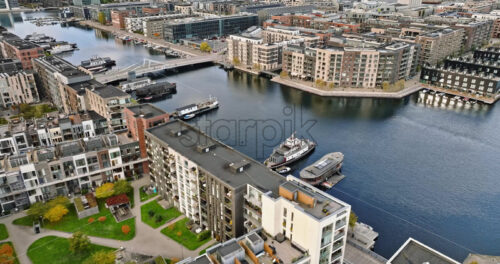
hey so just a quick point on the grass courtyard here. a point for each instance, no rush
(144, 196)
(53, 249)
(181, 234)
(70, 223)
(155, 216)
(3, 232)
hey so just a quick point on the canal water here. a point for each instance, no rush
(411, 170)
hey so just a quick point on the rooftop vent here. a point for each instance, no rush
(238, 167)
(204, 148)
(178, 132)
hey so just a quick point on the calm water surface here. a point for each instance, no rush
(424, 172)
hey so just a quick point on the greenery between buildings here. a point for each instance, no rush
(144, 196)
(155, 216)
(110, 189)
(181, 234)
(8, 254)
(33, 111)
(4, 234)
(53, 249)
(353, 218)
(106, 226)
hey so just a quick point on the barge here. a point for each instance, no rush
(290, 151)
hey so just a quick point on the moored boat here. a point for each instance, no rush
(323, 169)
(293, 149)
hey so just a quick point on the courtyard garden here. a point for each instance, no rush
(155, 216)
(53, 249)
(145, 193)
(180, 232)
(8, 254)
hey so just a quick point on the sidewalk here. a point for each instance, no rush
(413, 87)
(147, 241)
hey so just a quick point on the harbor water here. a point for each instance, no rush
(412, 169)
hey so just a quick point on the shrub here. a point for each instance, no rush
(103, 257)
(101, 219)
(179, 233)
(203, 235)
(56, 213)
(121, 186)
(125, 229)
(105, 190)
(6, 254)
(159, 218)
(151, 213)
(91, 220)
(79, 242)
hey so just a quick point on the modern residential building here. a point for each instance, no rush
(139, 118)
(66, 169)
(218, 188)
(206, 28)
(476, 34)
(25, 51)
(9, 4)
(17, 88)
(52, 75)
(279, 34)
(413, 251)
(240, 47)
(437, 45)
(105, 9)
(109, 102)
(184, 8)
(118, 17)
(135, 24)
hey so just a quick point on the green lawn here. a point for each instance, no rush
(16, 261)
(70, 223)
(144, 195)
(131, 198)
(3, 232)
(179, 232)
(53, 249)
(166, 214)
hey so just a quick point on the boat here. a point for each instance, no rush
(292, 150)
(39, 38)
(155, 90)
(283, 170)
(210, 104)
(323, 169)
(189, 116)
(61, 49)
(98, 64)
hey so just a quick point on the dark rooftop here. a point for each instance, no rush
(229, 248)
(80, 87)
(218, 159)
(21, 44)
(415, 252)
(148, 110)
(109, 92)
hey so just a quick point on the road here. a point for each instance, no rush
(147, 241)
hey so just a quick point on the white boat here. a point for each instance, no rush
(188, 116)
(61, 49)
(283, 170)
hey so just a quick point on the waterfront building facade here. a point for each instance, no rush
(24, 51)
(109, 102)
(438, 45)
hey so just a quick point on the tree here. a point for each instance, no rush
(79, 242)
(59, 200)
(320, 83)
(331, 86)
(283, 74)
(105, 190)
(121, 186)
(256, 66)
(236, 61)
(385, 85)
(37, 210)
(102, 257)
(205, 47)
(101, 17)
(56, 213)
(125, 229)
(353, 218)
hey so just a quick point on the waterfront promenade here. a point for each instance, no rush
(412, 86)
(158, 42)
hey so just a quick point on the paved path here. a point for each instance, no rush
(147, 240)
(412, 87)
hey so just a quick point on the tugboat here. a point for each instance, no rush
(98, 64)
(292, 150)
(323, 170)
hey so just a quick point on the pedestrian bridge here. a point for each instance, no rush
(150, 66)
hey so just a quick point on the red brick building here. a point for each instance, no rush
(22, 50)
(141, 117)
(118, 17)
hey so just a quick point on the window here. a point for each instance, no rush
(80, 162)
(115, 154)
(284, 212)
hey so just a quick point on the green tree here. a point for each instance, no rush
(353, 218)
(59, 200)
(102, 257)
(56, 213)
(101, 17)
(121, 186)
(79, 242)
(385, 86)
(37, 210)
(236, 61)
(205, 47)
(256, 66)
(331, 86)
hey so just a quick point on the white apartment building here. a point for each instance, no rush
(17, 88)
(312, 220)
(276, 34)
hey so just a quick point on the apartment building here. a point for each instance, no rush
(109, 102)
(476, 34)
(118, 17)
(218, 187)
(353, 66)
(240, 48)
(94, 10)
(279, 34)
(208, 27)
(439, 44)
(24, 51)
(139, 118)
(65, 169)
(134, 24)
(52, 75)
(16, 85)
(184, 8)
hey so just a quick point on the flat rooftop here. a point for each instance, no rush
(221, 160)
(413, 251)
(148, 110)
(110, 92)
